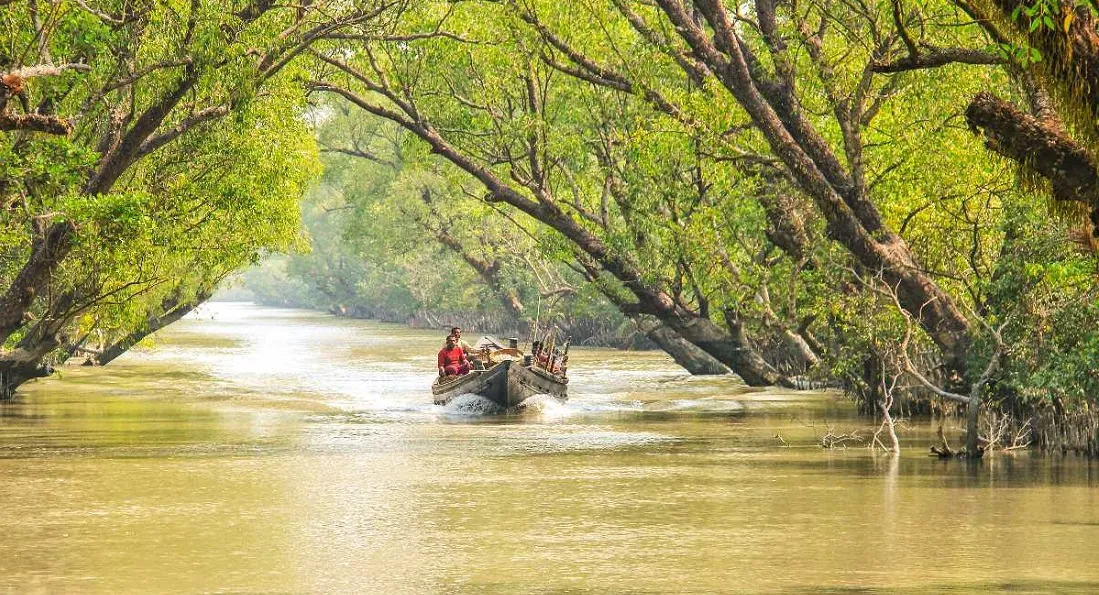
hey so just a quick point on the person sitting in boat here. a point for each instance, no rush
(544, 359)
(540, 356)
(466, 348)
(452, 360)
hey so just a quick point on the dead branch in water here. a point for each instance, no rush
(833, 440)
(885, 404)
(973, 448)
(943, 450)
(998, 427)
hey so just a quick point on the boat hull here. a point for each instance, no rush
(507, 384)
(524, 382)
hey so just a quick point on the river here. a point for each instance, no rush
(259, 450)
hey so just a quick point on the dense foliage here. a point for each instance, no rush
(146, 151)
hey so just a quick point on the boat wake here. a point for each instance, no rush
(471, 404)
(539, 406)
(545, 407)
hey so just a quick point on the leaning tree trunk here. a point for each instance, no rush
(47, 252)
(489, 272)
(27, 360)
(699, 336)
(732, 351)
(690, 357)
(731, 347)
(13, 375)
(1042, 147)
(851, 218)
(24, 363)
(172, 312)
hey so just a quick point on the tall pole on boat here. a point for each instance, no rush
(537, 316)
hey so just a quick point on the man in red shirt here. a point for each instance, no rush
(452, 360)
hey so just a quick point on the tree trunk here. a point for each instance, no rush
(47, 252)
(731, 350)
(171, 310)
(1038, 146)
(690, 357)
(735, 347)
(731, 347)
(972, 436)
(888, 424)
(25, 363)
(798, 347)
(851, 218)
(12, 376)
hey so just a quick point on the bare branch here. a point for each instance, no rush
(935, 57)
(35, 123)
(361, 154)
(159, 140)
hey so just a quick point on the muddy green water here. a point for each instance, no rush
(255, 450)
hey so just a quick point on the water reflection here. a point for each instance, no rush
(263, 450)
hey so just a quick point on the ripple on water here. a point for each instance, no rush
(697, 406)
(573, 438)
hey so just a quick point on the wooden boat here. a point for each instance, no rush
(506, 383)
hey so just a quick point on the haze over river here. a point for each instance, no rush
(256, 450)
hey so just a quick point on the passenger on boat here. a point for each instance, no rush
(452, 360)
(456, 332)
(539, 355)
(542, 358)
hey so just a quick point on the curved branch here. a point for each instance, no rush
(935, 57)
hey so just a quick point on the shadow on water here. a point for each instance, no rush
(996, 470)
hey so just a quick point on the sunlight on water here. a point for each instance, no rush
(261, 450)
